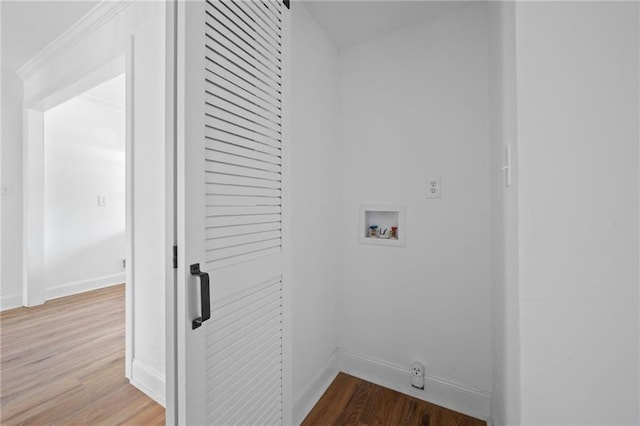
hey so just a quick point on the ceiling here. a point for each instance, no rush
(349, 22)
(29, 26)
(111, 92)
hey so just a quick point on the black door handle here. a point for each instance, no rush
(205, 309)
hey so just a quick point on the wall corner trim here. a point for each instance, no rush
(149, 381)
(95, 283)
(472, 402)
(311, 393)
(94, 19)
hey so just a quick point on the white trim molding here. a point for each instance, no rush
(148, 380)
(81, 286)
(10, 301)
(94, 19)
(311, 393)
(463, 399)
(472, 402)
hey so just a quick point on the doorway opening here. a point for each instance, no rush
(84, 191)
(78, 203)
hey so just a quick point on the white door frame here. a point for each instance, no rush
(33, 178)
(171, 366)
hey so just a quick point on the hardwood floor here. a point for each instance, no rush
(63, 363)
(352, 401)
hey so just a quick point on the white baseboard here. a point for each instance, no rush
(11, 301)
(149, 381)
(76, 287)
(310, 394)
(472, 402)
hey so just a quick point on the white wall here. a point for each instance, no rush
(315, 212)
(415, 103)
(578, 206)
(84, 157)
(144, 24)
(1, 73)
(505, 396)
(11, 291)
(18, 43)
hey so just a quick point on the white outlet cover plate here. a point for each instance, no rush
(434, 187)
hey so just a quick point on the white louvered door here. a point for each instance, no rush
(233, 213)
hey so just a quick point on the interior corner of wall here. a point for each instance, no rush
(149, 381)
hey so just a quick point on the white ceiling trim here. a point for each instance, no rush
(86, 25)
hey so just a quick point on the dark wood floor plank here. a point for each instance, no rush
(63, 363)
(352, 401)
(333, 401)
(379, 408)
(359, 406)
(411, 411)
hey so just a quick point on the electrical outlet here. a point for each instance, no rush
(102, 200)
(417, 375)
(434, 187)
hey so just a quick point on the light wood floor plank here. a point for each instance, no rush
(63, 363)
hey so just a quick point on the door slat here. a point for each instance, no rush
(243, 209)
